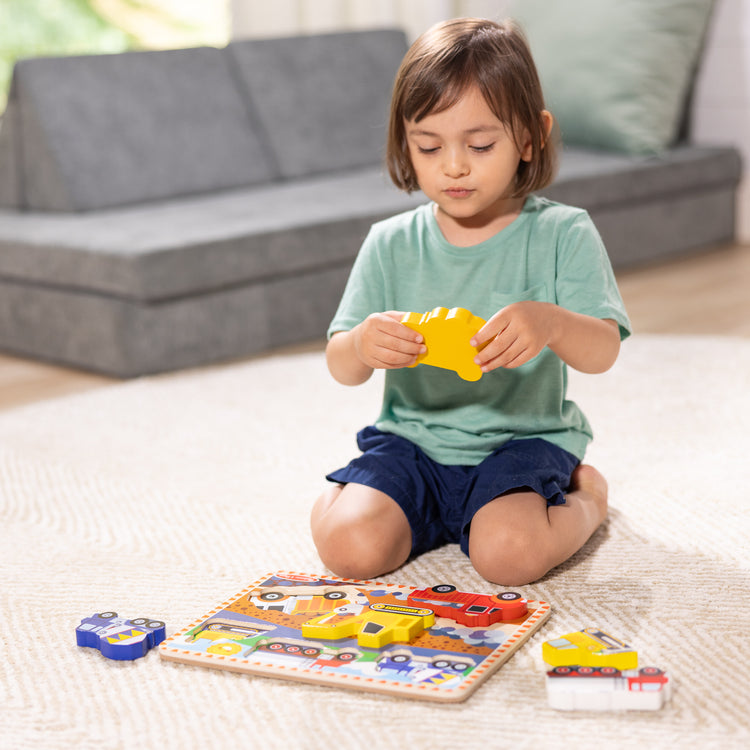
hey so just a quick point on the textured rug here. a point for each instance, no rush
(164, 496)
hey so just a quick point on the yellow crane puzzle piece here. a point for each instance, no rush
(374, 627)
(447, 334)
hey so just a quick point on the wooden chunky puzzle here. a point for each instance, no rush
(435, 643)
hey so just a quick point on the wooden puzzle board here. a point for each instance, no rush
(260, 631)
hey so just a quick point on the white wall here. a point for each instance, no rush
(721, 103)
(254, 18)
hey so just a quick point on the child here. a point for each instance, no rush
(493, 465)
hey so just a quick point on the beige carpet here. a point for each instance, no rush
(164, 496)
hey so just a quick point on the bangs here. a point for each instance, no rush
(440, 85)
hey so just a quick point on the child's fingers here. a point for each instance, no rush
(512, 356)
(389, 344)
(390, 325)
(396, 315)
(492, 355)
(499, 344)
(399, 330)
(490, 330)
(488, 340)
(396, 353)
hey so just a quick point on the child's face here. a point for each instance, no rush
(466, 160)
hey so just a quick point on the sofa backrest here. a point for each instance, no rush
(107, 130)
(10, 169)
(83, 133)
(321, 101)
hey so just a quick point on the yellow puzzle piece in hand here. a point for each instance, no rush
(447, 334)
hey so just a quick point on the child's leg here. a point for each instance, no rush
(360, 532)
(516, 538)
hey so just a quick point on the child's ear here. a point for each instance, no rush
(547, 123)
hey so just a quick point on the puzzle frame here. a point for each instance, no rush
(259, 632)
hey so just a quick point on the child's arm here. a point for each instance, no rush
(378, 342)
(518, 332)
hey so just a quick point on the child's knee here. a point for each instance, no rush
(507, 559)
(357, 551)
(359, 545)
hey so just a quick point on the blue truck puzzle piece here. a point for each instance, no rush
(118, 637)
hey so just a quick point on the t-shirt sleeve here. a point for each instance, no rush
(364, 291)
(585, 281)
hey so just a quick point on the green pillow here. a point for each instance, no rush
(616, 73)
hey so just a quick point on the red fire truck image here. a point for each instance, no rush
(477, 610)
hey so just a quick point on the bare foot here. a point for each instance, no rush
(589, 483)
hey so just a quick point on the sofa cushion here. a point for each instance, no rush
(108, 130)
(321, 101)
(649, 208)
(178, 248)
(594, 179)
(616, 74)
(125, 339)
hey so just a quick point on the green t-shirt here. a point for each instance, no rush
(550, 253)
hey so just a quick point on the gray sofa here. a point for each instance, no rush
(168, 209)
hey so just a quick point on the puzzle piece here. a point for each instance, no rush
(474, 610)
(589, 647)
(447, 334)
(118, 638)
(607, 688)
(374, 627)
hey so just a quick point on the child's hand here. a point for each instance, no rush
(514, 335)
(382, 342)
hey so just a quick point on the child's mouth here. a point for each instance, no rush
(458, 192)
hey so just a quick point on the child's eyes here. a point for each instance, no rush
(476, 149)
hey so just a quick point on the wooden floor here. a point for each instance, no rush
(705, 294)
(708, 293)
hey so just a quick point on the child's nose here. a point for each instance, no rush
(455, 163)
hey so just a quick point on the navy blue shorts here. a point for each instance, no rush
(439, 501)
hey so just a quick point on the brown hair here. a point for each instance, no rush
(450, 58)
